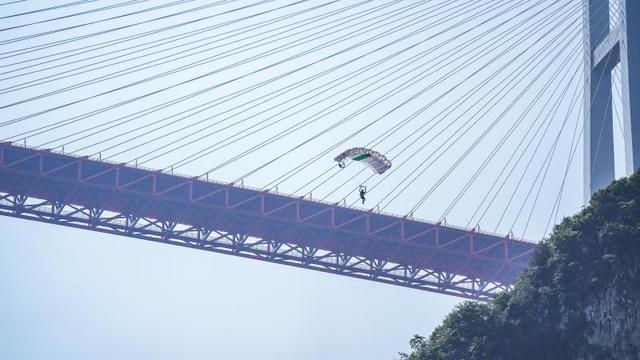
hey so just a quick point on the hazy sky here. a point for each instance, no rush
(465, 67)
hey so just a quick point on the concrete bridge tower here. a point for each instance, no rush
(606, 45)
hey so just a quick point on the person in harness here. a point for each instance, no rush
(363, 192)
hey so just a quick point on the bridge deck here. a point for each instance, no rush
(81, 192)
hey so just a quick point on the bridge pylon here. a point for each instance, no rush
(607, 45)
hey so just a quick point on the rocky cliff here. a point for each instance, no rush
(578, 299)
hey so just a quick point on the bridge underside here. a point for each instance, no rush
(150, 205)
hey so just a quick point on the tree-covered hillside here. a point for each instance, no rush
(578, 299)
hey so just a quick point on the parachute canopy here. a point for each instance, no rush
(371, 158)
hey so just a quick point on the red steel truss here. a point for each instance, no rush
(152, 205)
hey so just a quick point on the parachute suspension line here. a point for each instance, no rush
(350, 116)
(475, 143)
(530, 61)
(506, 137)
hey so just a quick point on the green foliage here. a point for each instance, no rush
(543, 317)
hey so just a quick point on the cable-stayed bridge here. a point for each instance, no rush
(481, 106)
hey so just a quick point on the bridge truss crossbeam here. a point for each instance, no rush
(148, 204)
(60, 213)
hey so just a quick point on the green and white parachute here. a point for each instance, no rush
(371, 158)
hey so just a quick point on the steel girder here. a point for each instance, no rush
(24, 207)
(262, 225)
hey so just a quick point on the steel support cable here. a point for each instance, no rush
(351, 116)
(544, 176)
(91, 11)
(105, 44)
(397, 167)
(15, 2)
(236, 94)
(74, 3)
(548, 120)
(512, 169)
(451, 107)
(30, 49)
(310, 95)
(441, 153)
(158, 43)
(351, 75)
(339, 143)
(572, 151)
(546, 164)
(361, 171)
(475, 143)
(290, 87)
(503, 140)
(615, 109)
(199, 154)
(49, 32)
(265, 98)
(326, 44)
(396, 126)
(166, 104)
(507, 177)
(173, 38)
(528, 165)
(166, 58)
(217, 56)
(520, 72)
(59, 124)
(62, 123)
(155, 108)
(556, 205)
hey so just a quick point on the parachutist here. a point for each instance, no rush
(363, 192)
